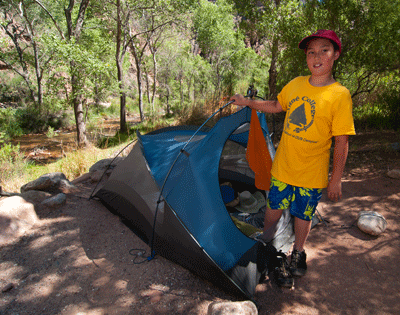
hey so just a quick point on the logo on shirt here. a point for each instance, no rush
(301, 117)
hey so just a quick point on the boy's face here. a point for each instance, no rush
(320, 56)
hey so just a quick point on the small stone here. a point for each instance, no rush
(8, 287)
(394, 174)
(55, 201)
(232, 308)
(371, 222)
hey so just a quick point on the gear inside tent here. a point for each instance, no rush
(169, 192)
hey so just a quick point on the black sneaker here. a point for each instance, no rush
(298, 265)
(282, 275)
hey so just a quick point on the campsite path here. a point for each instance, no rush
(81, 259)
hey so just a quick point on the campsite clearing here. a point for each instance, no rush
(81, 259)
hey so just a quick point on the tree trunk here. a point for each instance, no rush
(138, 63)
(78, 110)
(77, 98)
(272, 70)
(140, 89)
(122, 98)
(119, 58)
(155, 69)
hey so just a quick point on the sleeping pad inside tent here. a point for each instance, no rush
(168, 190)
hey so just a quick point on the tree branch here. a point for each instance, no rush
(52, 18)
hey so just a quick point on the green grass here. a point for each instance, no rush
(17, 171)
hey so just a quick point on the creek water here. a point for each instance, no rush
(43, 149)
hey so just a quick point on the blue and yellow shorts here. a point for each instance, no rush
(301, 201)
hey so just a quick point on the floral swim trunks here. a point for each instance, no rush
(301, 201)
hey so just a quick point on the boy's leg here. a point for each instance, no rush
(279, 197)
(301, 230)
(303, 208)
(271, 220)
(280, 264)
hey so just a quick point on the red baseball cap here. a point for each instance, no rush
(331, 35)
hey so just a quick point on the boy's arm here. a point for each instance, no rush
(264, 106)
(340, 152)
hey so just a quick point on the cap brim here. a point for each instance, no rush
(304, 41)
(260, 203)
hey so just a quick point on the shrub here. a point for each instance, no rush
(9, 124)
(31, 120)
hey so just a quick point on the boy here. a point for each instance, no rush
(317, 109)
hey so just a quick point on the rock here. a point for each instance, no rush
(232, 308)
(51, 182)
(7, 287)
(45, 182)
(96, 175)
(97, 170)
(394, 174)
(67, 187)
(80, 179)
(16, 217)
(371, 222)
(55, 201)
(35, 196)
(102, 165)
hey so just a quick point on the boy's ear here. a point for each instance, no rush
(337, 54)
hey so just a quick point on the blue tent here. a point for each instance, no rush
(168, 190)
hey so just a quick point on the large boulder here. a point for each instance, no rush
(105, 166)
(51, 182)
(16, 217)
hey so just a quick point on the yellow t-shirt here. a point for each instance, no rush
(313, 116)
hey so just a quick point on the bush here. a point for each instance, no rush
(391, 104)
(381, 110)
(30, 120)
(9, 124)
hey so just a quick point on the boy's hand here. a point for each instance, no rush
(335, 190)
(239, 100)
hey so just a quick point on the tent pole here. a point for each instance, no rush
(166, 177)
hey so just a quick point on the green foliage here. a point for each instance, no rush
(154, 122)
(31, 120)
(9, 124)
(222, 44)
(204, 50)
(214, 27)
(382, 109)
(118, 138)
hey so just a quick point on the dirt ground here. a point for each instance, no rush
(81, 259)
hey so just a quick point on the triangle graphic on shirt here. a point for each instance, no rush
(298, 117)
